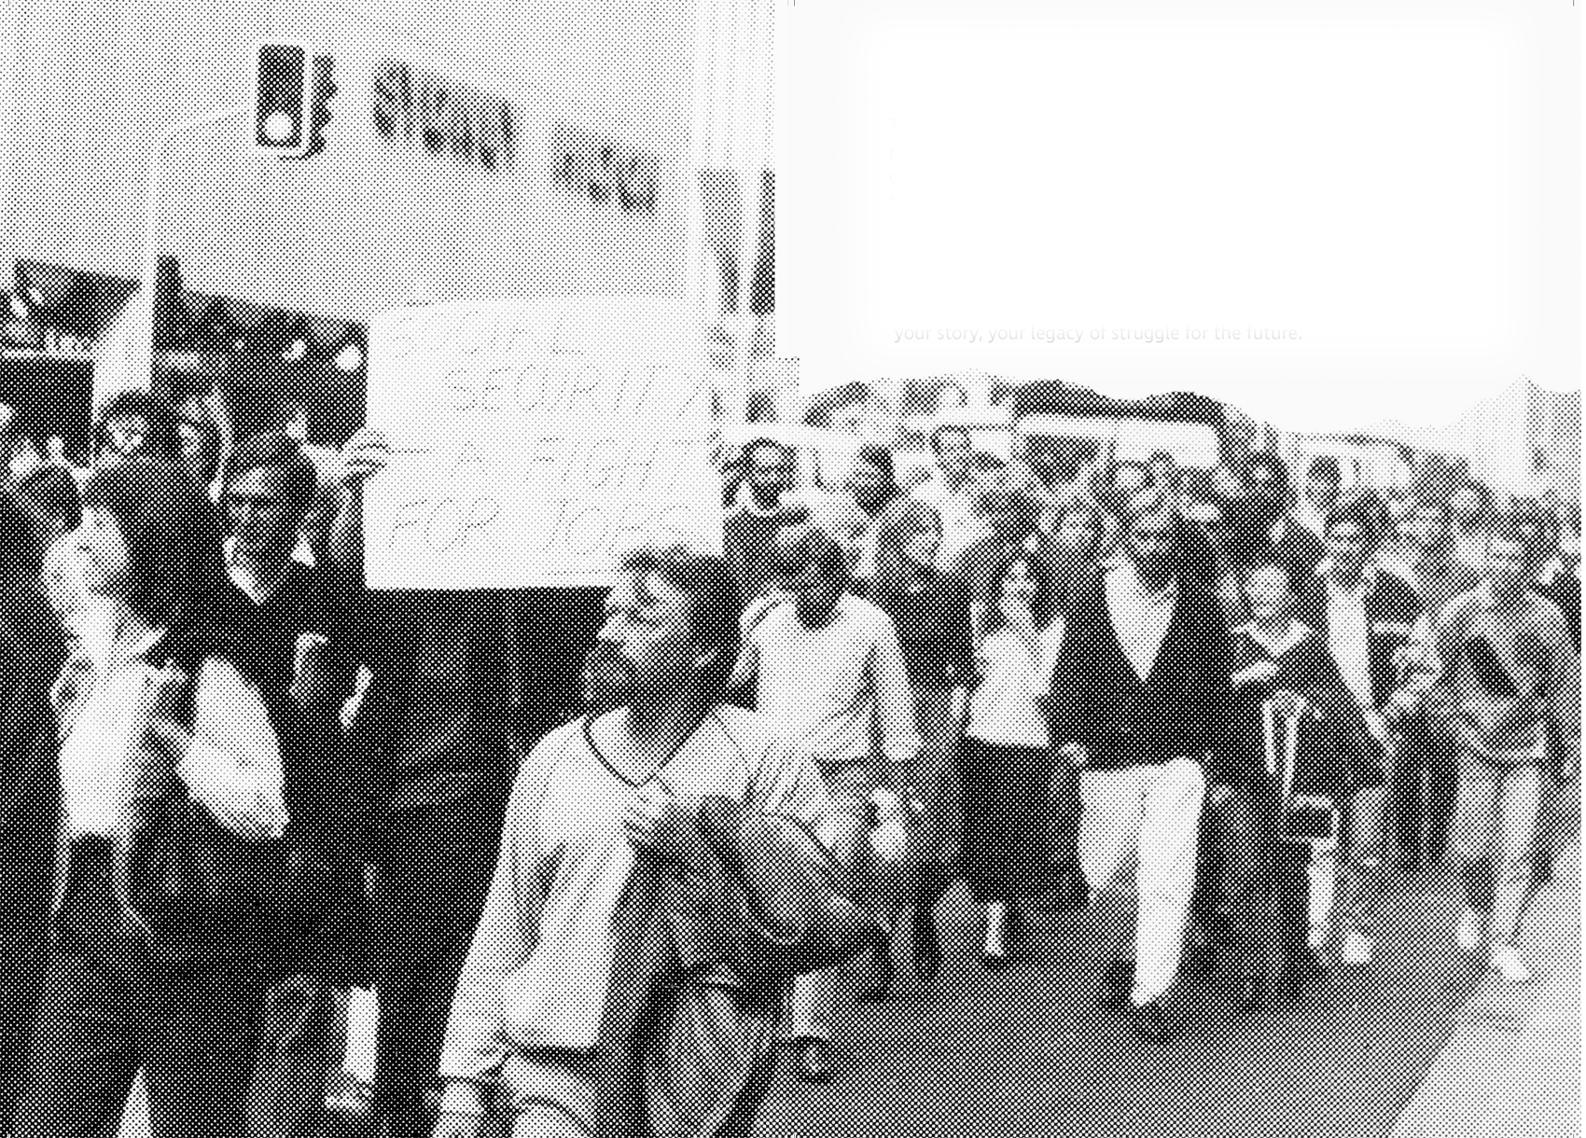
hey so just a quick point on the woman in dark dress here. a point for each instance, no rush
(930, 611)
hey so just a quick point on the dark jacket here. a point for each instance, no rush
(32, 650)
(442, 708)
(748, 542)
(1329, 758)
(934, 630)
(328, 778)
(1392, 609)
(1183, 707)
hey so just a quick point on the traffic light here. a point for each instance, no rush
(283, 96)
(322, 86)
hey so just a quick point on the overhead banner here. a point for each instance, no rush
(534, 442)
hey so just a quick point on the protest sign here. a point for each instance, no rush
(534, 442)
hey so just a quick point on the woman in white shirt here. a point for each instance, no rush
(155, 964)
(1005, 765)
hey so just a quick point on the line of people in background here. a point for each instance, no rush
(267, 786)
(1104, 701)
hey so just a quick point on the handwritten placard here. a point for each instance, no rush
(534, 442)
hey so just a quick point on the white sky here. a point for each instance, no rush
(1392, 187)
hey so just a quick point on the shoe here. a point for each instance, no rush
(1542, 865)
(349, 1098)
(1468, 934)
(1001, 935)
(1507, 963)
(1357, 948)
(1250, 993)
(814, 1061)
(1308, 968)
(1154, 1020)
(1116, 984)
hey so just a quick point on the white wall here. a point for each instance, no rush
(364, 225)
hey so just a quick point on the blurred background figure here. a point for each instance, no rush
(1323, 481)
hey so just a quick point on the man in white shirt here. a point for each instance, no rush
(589, 808)
(1141, 705)
(1372, 622)
(828, 670)
(952, 491)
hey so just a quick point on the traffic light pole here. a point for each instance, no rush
(143, 362)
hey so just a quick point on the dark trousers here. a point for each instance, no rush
(23, 944)
(1422, 794)
(433, 870)
(302, 1036)
(110, 1007)
(1007, 808)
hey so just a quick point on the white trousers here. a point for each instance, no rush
(1138, 835)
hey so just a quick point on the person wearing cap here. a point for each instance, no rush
(826, 666)
(1510, 686)
(1141, 703)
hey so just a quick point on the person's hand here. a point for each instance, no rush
(1075, 753)
(311, 683)
(644, 813)
(366, 454)
(1262, 671)
(157, 712)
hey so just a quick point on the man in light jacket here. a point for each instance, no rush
(527, 1025)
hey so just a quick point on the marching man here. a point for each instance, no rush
(586, 815)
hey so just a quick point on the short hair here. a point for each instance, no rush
(949, 429)
(1363, 510)
(714, 603)
(765, 441)
(902, 519)
(878, 456)
(277, 450)
(171, 532)
(1045, 593)
(808, 546)
(162, 439)
(1326, 466)
(54, 488)
(1270, 461)
(1525, 523)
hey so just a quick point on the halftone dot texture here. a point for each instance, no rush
(536, 180)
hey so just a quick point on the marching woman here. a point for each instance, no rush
(32, 648)
(1006, 764)
(1278, 661)
(930, 611)
(170, 780)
